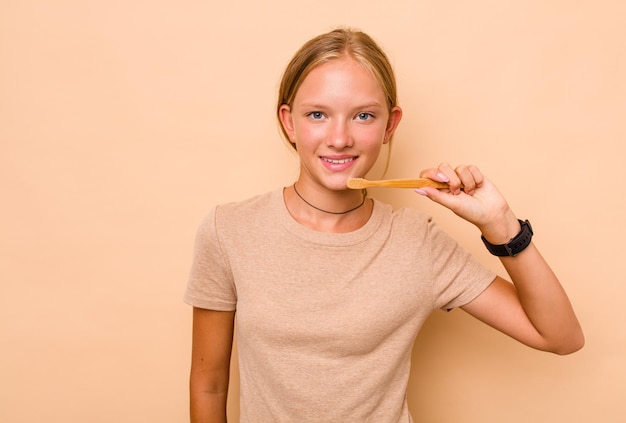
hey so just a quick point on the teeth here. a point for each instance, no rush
(341, 161)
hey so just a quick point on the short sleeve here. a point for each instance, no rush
(457, 277)
(210, 285)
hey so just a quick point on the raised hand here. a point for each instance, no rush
(474, 198)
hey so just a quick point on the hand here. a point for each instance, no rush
(474, 198)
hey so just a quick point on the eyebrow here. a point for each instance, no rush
(361, 106)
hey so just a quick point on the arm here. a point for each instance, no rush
(212, 341)
(534, 309)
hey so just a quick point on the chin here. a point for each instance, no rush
(337, 184)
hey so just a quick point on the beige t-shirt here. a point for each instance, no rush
(326, 321)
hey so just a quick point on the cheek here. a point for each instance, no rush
(309, 136)
(370, 135)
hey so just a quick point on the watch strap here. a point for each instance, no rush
(516, 245)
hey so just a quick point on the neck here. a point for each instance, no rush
(363, 192)
(336, 211)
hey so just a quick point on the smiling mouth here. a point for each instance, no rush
(339, 161)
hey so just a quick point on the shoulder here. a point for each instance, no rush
(241, 214)
(248, 205)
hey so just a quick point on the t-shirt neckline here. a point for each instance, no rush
(331, 239)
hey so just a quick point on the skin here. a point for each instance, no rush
(212, 342)
(339, 114)
(533, 309)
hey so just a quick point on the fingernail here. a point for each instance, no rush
(443, 177)
(420, 192)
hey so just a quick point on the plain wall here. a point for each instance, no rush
(123, 122)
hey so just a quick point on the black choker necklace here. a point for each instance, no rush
(330, 212)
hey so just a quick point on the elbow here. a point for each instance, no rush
(209, 383)
(574, 343)
(571, 348)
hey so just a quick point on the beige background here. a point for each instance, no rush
(123, 122)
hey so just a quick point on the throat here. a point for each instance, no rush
(328, 211)
(332, 220)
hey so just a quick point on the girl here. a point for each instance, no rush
(329, 287)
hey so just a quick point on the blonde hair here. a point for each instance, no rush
(331, 46)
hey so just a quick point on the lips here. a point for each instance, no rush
(338, 163)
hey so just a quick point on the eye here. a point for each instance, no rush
(316, 115)
(364, 116)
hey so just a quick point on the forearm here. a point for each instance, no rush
(210, 365)
(207, 405)
(540, 293)
(534, 309)
(544, 301)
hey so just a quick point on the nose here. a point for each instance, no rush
(339, 136)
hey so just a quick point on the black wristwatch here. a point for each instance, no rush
(516, 245)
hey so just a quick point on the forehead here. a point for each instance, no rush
(339, 78)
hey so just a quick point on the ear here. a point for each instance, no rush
(395, 116)
(286, 120)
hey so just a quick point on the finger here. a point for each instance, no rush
(434, 174)
(467, 178)
(453, 178)
(478, 175)
(440, 196)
